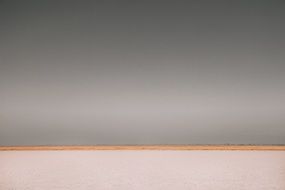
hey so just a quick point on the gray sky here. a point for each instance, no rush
(142, 72)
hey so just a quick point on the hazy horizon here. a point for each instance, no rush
(142, 72)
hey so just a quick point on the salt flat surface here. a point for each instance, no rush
(142, 170)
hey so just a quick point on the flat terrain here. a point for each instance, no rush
(140, 170)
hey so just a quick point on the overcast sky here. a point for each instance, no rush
(142, 72)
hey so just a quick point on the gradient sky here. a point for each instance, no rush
(142, 72)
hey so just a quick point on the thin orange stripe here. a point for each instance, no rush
(151, 147)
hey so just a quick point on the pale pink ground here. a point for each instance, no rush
(142, 170)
